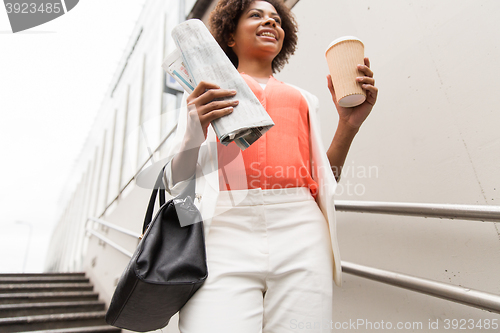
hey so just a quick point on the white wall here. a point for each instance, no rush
(431, 138)
(433, 128)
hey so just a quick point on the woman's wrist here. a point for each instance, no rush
(345, 133)
(339, 147)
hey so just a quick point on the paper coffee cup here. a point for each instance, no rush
(343, 55)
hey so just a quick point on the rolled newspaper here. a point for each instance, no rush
(204, 60)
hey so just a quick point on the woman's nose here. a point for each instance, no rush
(270, 21)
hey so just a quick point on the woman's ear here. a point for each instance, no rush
(231, 41)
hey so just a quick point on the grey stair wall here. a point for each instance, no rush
(53, 302)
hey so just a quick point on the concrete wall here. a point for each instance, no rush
(431, 138)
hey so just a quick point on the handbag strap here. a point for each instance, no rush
(160, 187)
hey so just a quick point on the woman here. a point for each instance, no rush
(272, 251)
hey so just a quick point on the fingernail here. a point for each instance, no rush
(235, 102)
(233, 91)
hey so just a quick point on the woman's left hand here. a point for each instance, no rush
(355, 116)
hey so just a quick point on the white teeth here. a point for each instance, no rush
(268, 34)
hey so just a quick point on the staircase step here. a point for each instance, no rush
(44, 287)
(50, 303)
(32, 309)
(9, 275)
(43, 279)
(90, 329)
(69, 296)
(53, 321)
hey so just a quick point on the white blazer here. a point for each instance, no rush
(207, 175)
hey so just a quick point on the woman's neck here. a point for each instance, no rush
(263, 80)
(256, 69)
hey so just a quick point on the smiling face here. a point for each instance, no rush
(258, 34)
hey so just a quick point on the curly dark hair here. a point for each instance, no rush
(224, 20)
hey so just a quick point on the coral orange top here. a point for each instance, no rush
(281, 157)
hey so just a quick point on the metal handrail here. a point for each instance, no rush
(111, 243)
(115, 227)
(467, 296)
(447, 211)
(458, 294)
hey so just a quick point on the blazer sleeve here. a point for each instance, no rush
(170, 187)
(173, 189)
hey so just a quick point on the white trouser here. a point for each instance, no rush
(269, 267)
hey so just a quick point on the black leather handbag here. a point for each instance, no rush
(167, 268)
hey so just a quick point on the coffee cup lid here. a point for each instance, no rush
(341, 39)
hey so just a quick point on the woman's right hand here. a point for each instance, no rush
(202, 109)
